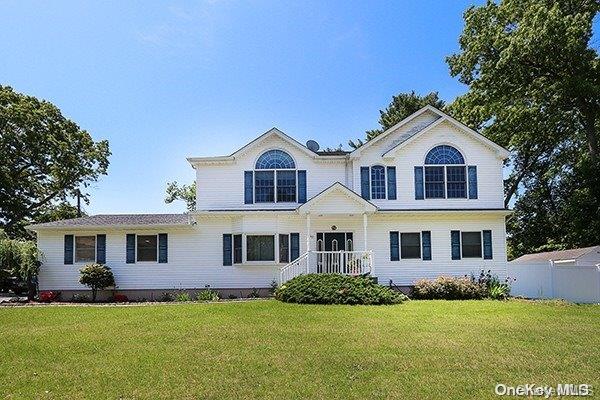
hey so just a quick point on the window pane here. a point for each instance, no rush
(146, 248)
(275, 159)
(457, 182)
(434, 182)
(471, 244)
(444, 154)
(264, 184)
(260, 248)
(377, 182)
(410, 245)
(286, 186)
(85, 248)
(284, 248)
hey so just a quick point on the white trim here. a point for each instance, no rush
(136, 249)
(75, 250)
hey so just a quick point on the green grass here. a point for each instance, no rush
(267, 349)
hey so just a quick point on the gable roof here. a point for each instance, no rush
(418, 131)
(273, 132)
(117, 221)
(338, 188)
(559, 255)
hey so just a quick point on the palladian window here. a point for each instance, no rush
(445, 174)
(275, 178)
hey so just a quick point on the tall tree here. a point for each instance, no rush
(534, 87)
(401, 106)
(186, 193)
(46, 158)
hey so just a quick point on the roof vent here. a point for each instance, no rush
(312, 145)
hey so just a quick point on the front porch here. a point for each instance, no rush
(336, 220)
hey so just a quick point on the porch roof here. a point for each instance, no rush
(337, 199)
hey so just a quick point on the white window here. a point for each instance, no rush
(85, 249)
(260, 247)
(147, 248)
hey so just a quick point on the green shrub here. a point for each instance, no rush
(207, 295)
(96, 277)
(448, 288)
(336, 289)
(183, 296)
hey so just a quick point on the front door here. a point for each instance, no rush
(329, 247)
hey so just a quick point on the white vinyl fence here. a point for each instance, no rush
(576, 283)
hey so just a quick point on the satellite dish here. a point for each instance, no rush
(312, 145)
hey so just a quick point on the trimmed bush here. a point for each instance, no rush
(448, 288)
(96, 277)
(336, 289)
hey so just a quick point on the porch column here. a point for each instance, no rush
(307, 231)
(365, 223)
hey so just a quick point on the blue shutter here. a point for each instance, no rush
(294, 246)
(130, 249)
(301, 186)
(68, 249)
(419, 191)
(163, 248)
(391, 183)
(101, 249)
(394, 246)
(365, 187)
(487, 245)
(227, 253)
(472, 182)
(248, 187)
(426, 243)
(455, 241)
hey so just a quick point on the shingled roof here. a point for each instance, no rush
(559, 255)
(118, 220)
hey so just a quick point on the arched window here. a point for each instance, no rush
(275, 177)
(275, 159)
(445, 174)
(444, 154)
(377, 182)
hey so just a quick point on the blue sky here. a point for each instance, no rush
(163, 81)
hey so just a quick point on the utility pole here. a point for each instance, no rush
(78, 203)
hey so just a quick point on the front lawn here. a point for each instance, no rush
(267, 349)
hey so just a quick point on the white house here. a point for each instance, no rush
(423, 199)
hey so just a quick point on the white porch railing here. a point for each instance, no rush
(329, 262)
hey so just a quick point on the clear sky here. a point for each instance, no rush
(162, 81)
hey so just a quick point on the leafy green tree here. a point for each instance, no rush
(401, 106)
(534, 87)
(46, 159)
(96, 277)
(21, 258)
(186, 193)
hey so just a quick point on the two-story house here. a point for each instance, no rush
(423, 199)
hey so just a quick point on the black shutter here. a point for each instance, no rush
(472, 172)
(487, 245)
(237, 249)
(68, 249)
(426, 243)
(163, 248)
(101, 249)
(294, 246)
(130, 249)
(391, 183)
(227, 253)
(248, 187)
(394, 246)
(365, 186)
(301, 186)
(419, 190)
(455, 243)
